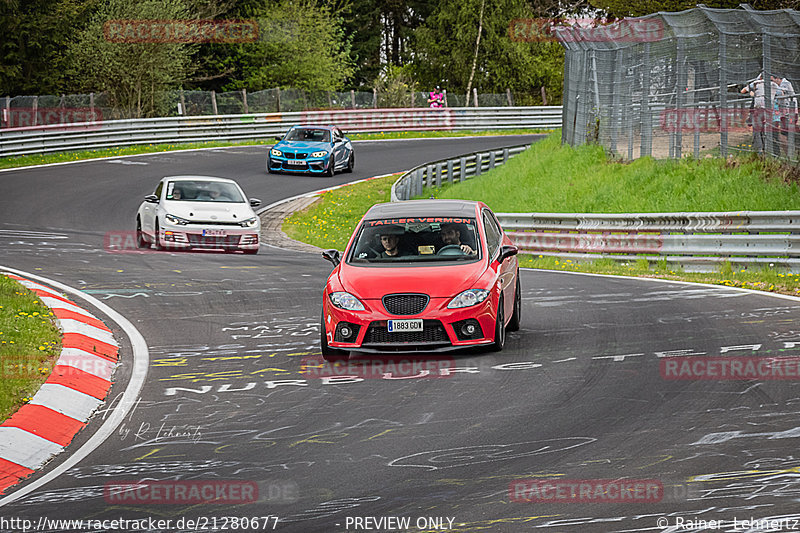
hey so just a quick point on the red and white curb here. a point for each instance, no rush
(76, 387)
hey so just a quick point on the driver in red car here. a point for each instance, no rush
(451, 236)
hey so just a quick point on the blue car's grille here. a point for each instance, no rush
(288, 155)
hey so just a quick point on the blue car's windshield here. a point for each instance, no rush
(308, 135)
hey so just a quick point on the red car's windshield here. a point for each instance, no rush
(416, 240)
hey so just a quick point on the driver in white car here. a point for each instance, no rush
(451, 236)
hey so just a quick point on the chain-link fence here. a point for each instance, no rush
(21, 111)
(686, 83)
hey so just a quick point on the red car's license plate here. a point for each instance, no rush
(396, 326)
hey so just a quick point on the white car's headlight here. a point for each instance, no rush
(276, 153)
(319, 154)
(178, 221)
(249, 223)
(345, 300)
(468, 298)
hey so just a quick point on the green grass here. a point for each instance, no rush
(329, 222)
(550, 178)
(29, 345)
(62, 157)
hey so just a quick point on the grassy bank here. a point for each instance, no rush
(29, 345)
(63, 157)
(552, 178)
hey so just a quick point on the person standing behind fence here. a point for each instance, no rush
(759, 116)
(436, 98)
(787, 106)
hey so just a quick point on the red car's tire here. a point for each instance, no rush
(328, 353)
(513, 324)
(499, 328)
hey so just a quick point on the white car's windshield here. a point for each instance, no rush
(416, 240)
(203, 191)
(309, 135)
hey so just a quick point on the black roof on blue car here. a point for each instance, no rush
(423, 208)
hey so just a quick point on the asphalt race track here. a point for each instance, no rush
(578, 393)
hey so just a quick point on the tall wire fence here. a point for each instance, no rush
(22, 111)
(688, 83)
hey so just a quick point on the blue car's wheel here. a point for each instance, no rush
(351, 163)
(329, 170)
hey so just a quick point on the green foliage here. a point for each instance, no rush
(301, 45)
(133, 74)
(445, 46)
(32, 58)
(395, 86)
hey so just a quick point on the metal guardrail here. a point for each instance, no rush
(695, 241)
(87, 136)
(453, 170)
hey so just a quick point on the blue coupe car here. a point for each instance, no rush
(313, 150)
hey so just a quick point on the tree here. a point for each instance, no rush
(32, 59)
(301, 45)
(444, 50)
(134, 74)
(381, 32)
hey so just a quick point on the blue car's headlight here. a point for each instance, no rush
(468, 298)
(319, 154)
(345, 300)
(178, 221)
(276, 153)
(249, 223)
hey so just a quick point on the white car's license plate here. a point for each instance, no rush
(396, 326)
(295, 162)
(213, 233)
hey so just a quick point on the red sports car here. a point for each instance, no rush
(421, 275)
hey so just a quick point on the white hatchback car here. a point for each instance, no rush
(198, 212)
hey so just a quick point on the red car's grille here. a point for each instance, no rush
(432, 333)
(405, 304)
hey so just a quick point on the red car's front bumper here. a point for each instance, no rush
(443, 329)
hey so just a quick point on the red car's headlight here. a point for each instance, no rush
(345, 300)
(468, 298)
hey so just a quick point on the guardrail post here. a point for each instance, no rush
(182, 110)
(244, 100)
(278, 98)
(353, 98)
(374, 98)
(450, 171)
(462, 175)
(428, 177)
(214, 102)
(35, 108)
(491, 160)
(478, 164)
(475, 96)
(508, 97)
(438, 175)
(505, 155)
